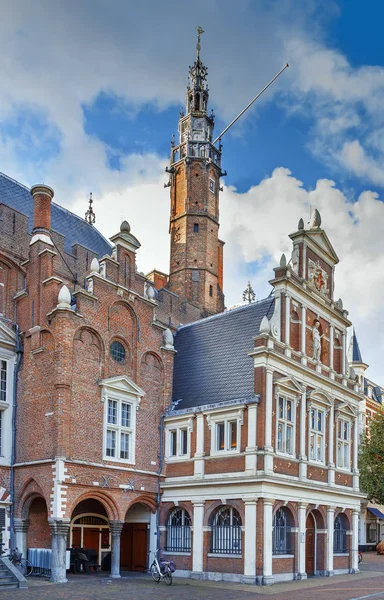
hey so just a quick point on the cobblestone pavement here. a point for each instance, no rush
(363, 586)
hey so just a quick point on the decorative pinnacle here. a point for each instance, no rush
(248, 294)
(90, 216)
(198, 46)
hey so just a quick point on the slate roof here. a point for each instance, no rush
(356, 354)
(212, 362)
(74, 229)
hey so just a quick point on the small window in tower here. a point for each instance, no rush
(196, 228)
(195, 276)
(211, 290)
(211, 185)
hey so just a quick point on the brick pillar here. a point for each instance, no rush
(42, 197)
(20, 528)
(116, 528)
(59, 533)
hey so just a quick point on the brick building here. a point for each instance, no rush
(246, 428)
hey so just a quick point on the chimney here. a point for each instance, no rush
(42, 196)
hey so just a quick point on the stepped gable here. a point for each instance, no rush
(212, 362)
(74, 229)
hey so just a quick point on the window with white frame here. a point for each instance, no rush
(317, 434)
(3, 380)
(121, 399)
(225, 432)
(178, 442)
(285, 425)
(343, 443)
(1, 433)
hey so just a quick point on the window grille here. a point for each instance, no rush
(117, 351)
(282, 532)
(179, 531)
(226, 531)
(340, 535)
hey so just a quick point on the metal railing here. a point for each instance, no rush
(41, 561)
(226, 539)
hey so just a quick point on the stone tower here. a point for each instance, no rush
(196, 262)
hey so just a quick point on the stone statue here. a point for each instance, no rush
(316, 341)
(168, 339)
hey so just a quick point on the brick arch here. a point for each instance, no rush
(211, 510)
(318, 512)
(340, 511)
(148, 501)
(47, 340)
(292, 509)
(152, 359)
(182, 505)
(108, 502)
(31, 490)
(91, 338)
(10, 263)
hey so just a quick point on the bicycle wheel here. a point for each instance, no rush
(155, 572)
(360, 557)
(168, 576)
(25, 567)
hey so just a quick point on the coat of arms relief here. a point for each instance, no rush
(317, 276)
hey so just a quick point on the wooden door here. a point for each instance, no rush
(310, 540)
(133, 547)
(139, 547)
(91, 539)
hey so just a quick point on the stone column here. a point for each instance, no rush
(199, 454)
(287, 320)
(59, 533)
(330, 529)
(302, 541)
(198, 536)
(268, 458)
(355, 541)
(331, 458)
(267, 542)
(250, 541)
(343, 355)
(303, 332)
(331, 338)
(20, 528)
(250, 451)
(355, 462)
(302, 450)
(116, 529)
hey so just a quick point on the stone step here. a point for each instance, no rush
(7, 579)
(9, 586)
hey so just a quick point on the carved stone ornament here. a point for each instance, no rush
(168, 339)
(283, 261)
(295, 259)
(264, 325)
(90, 286)
(276, 318)
(316, 219)
(316, 341)
(95, 266)
(317, 276)
(64, 298)
(300, 225)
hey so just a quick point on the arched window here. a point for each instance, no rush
(340, 534)
(226, 531)
(179, 531)
(282, 532)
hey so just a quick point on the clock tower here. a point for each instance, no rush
(196, 261)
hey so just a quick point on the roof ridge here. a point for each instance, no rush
(226, 312)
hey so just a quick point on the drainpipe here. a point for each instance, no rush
(161, 457)
(19, 354)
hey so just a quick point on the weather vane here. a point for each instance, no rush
(90, 216)
(198, 47)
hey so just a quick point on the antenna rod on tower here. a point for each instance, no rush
(248, 105)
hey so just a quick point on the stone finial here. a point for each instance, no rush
(168, 339)
(339, 304)
(316, 219)
(300, 226)
(95, 266)
(149, 291)
(64, 298)
(283, 261)
(125, 227)
(264, 325)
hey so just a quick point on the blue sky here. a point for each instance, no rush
(90, 98)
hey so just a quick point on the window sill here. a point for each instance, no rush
(218, 555)
(218, 453)
(121, 461)
(286, 455)
(176, 459)
(317, 463)
(341, 554)
(178, 553)
(283, 555)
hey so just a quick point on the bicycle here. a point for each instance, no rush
(22, 564)
(360, 557)
(162, 569)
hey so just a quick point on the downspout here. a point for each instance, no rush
(158, 496)
(19, 354)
